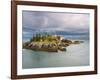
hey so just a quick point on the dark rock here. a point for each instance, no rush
(66, 41)
(62, 49)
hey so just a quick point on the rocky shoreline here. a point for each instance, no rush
(48, 43)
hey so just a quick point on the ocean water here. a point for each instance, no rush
(76, 55)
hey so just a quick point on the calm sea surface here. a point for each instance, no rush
(76, 55)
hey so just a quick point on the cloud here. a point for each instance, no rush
(56, 21)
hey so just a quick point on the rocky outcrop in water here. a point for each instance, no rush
(48, 43)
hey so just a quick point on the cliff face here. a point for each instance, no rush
(48, 43)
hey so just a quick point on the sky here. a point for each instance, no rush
(56, 21)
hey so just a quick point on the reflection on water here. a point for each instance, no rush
(76, 55)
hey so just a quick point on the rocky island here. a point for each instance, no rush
(48, 43)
